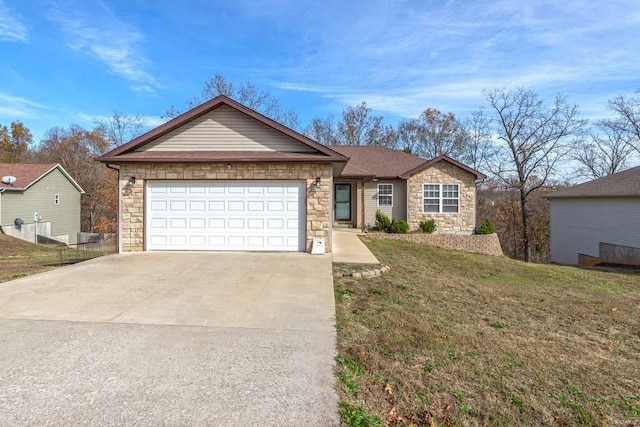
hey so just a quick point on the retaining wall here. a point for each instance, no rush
(481, 243)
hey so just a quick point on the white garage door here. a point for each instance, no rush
(225, 215)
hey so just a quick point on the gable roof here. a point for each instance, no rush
(621, 184)
(376, 161)
(28, 174)
(443, 158)
(128, 153)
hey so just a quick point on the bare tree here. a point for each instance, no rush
(245, 93)
(479, 144)
(533, 140)
(359, 127)
(628, 112)
(605, 152)
(432, 134)
(324, 131)
(120, 128)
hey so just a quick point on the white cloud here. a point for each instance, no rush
(105, 37)
(16, 107)
(404, 56)
(12, 27)
(149, 121)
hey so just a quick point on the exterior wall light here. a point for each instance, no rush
(132, 180)
(228, 166)
(317, 182)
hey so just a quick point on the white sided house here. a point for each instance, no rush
(598, 221)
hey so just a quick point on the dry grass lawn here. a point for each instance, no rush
(447, 338)
(19, 258)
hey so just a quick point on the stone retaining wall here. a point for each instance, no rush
(481, 243)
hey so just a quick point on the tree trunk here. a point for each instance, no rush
(525, 226)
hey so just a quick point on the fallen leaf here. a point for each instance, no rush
(388, 388)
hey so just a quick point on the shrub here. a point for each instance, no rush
(398, 226)
(383, 222)
(486, 227)
(428, 226)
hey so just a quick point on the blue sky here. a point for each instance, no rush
(70, 61)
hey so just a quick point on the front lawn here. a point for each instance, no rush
(447, 338)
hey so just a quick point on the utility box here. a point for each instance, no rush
(318, 246)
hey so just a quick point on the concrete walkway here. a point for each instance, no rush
(171, 339)
(349, 249)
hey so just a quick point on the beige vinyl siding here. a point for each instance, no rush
(579, 225)
(399, 208)
(64, 217)
(225, 129)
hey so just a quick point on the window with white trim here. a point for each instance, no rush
(441, 198)
(56, 199)
(385, 194)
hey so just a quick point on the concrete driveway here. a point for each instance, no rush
(171, 339)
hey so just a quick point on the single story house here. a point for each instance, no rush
(598, 221)
(224, 177)
(45, 189)
(407, 187)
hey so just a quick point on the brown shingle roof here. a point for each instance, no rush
(383, 162)
(377, 161)
(26, 173)
(621, 184)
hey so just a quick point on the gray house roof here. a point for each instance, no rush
(621, 184)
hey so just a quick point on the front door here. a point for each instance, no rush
(342, 202)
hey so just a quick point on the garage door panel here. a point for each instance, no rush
(178, 189)
(255, 206)
(178, 240)
(275, 224)
(178, 223)
(235, 206)
(255, 223)
(216, 223)
(275, 206)
(178, 206)
(223, 215)
(237, 223)
(158, 206)
(216, 206)
(197, 223)
(197, 206)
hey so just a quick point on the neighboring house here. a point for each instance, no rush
(598, 221)
(43, 188)
(224, 177)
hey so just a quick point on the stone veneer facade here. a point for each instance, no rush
(443, 172)
(318, 206)
(488, 244)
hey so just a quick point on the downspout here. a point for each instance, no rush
(119, 234)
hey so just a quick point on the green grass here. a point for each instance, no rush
(20, 258)
(452, 338)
